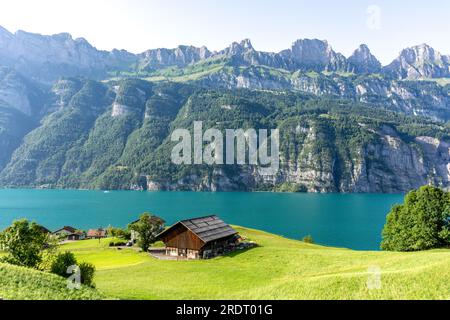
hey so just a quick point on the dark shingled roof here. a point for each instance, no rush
(67, 228)
(207, 228)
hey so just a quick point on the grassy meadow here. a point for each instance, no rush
(18, 283)
(278, 269)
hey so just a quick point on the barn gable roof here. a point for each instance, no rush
(208, 228)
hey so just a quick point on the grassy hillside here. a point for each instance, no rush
(278, 269)
(18, 283)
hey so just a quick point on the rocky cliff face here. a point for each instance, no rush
(5, 37)
(28, 53)
(243, 54)
(21, 104)
(388, 165)
(14, 92)
(181, 56)
(424, 98)
(47, 58)
(394, 164)
(420, 62)
(315, 55)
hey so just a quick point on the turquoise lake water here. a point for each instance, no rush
(343, 220)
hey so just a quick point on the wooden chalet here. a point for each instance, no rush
(199, 238)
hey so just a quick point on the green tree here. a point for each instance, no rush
(421, 223)
(25, 243)
(62, 262)
(119, 233)
(147, 228)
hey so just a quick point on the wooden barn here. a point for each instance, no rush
(199, 238)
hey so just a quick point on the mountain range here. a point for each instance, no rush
(51, 57)
(72, 116)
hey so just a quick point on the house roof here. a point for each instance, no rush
(78, 232)
(208, 228)
(96, 233)
(44, 229)
(67, 228)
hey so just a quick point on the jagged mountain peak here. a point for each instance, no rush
(363, 47)
(195, 52)
(363, 61)
(246, 43)
(363, 50)
(420, 62)
(237, 48)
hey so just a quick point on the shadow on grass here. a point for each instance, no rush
(239, 252)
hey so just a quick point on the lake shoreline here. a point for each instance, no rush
(195, 191)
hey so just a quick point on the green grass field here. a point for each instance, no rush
(17, 283)
(278, 269)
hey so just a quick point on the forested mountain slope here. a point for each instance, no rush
(117, 135)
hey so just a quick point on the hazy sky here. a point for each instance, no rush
(387, 26)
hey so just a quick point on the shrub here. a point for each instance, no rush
(87, 271)
(117, 244)
(62, 262)
(308, 239)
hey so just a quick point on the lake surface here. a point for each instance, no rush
(343, 220)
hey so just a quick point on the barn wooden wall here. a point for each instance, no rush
(182, 238)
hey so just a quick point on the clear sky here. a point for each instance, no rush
(387, 26)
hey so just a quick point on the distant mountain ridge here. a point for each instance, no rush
(51, 57)
(72, 116)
